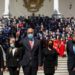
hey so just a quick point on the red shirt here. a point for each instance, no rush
(59, 46)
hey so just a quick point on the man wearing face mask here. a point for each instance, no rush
(13, 56)
(1, 61)
(31, 53)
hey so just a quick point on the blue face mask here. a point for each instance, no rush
(30, 36)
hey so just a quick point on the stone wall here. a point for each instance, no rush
(17, 8)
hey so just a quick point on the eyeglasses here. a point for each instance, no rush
(30, 32)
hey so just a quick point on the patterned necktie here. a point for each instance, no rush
(31, 44)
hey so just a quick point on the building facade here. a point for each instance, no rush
(17, 8)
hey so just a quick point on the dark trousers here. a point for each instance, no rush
(29, 70)
(71, 72)
(13, 71)
(1, 73)
(49, 74)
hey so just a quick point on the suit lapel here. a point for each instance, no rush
(26, 43)
(16, 52)
(35, 44)
(72, 47)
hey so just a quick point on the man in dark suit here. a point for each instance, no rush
(71, 56)
(31, 54)
(13, 56)
(1, 61)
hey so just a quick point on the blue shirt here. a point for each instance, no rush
(74, 48)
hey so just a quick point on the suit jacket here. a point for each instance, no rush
(1, 58)
(50, 60)
(13, 60)
(71, 55)
(31, 56)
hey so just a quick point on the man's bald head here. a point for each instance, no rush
(30, 31)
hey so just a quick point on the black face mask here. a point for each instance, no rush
(50, 46)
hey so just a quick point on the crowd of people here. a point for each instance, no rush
(35, 40)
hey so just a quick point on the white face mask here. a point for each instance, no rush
(12, 45)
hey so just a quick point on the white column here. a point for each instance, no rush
(56, 12)
(6, 10)
(56, 6)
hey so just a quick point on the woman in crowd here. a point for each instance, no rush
(13, 57)
(50, 58)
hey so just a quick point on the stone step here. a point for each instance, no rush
(62, 66)
(61, 74)
(39, 73)
(61, 71)
(61, 63)
(60, 58)
(56, 72)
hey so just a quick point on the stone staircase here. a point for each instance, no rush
(62, 67)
